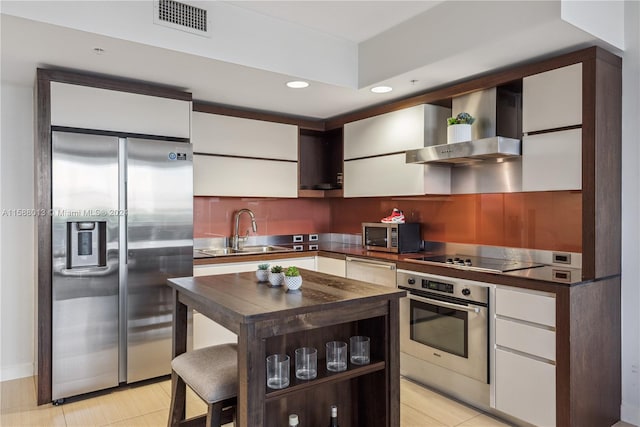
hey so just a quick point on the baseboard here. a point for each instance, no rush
(17, 371)
(630, 413)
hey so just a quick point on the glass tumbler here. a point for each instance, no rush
(359, 348)
(278, 371)
(306, 363)
(336, 356)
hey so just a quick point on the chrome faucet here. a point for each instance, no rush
(235, 244)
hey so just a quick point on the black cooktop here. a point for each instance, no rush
(468, 262)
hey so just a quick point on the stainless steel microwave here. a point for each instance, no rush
(396, 238)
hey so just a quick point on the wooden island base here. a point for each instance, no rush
(270, 320)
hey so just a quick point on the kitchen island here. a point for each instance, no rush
(270, 320)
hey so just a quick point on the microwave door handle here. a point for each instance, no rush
(445, 304)
(373, 264)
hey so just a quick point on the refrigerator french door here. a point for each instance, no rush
(122, 223)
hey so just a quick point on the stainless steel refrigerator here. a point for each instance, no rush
(122, 224)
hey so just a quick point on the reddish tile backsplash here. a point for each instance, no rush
(537, 220)
(213, 216)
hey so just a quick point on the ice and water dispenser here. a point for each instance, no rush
(87, 244)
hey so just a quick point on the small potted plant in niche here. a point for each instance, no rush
(292, 279)
(262, 273)
(276, 276)
(459, 128)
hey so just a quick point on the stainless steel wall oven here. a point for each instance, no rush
(445, 321)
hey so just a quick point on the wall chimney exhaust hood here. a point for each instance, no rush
(496, 148)
(495, 133)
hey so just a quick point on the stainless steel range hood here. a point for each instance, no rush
(496, 148)
(495, 133)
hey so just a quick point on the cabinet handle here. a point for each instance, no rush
(373, 263)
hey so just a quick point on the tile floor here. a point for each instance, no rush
(148, 406)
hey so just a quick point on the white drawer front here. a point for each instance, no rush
(525, 338)
(527, 306)
(526, 388)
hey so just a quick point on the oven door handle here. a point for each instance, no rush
(470, 309)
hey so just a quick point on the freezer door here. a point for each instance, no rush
(159, 246)
(85, 263)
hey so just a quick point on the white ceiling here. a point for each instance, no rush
(355, 21)
(412, 46)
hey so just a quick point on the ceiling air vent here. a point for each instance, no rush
(181, 16)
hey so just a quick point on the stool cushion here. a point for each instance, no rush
(211, 372)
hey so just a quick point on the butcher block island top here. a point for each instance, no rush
(271, 320)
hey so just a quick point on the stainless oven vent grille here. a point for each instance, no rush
(181, 16)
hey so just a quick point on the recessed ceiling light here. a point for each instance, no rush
(381, 89)
(298, 84)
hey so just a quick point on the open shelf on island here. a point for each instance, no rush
(324, 376)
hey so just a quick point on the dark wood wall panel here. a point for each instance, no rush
(608, 171)
(42, 163)
(246, 113)
(113, 83)
(595, 354)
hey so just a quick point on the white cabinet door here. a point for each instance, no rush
(552, 161)
(101, 109)
(228, 176)
(526, 388)
(396, 131)
(552, 99)
(326, 265)
(235, 136)
(391, 176)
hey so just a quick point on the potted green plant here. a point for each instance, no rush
(262, 273)
(292, 279)
(276, 276)
(459, 128)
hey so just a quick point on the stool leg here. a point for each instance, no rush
(214, 414)
(178, 400)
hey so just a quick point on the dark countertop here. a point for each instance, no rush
(528, 278)
(240, 297)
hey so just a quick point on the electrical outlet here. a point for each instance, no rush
(313, 247)
(298, 238)
(298, 247)
(313, 237)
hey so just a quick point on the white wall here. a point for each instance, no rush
(17, 266)
(238, 35)
(600, 18)
(630, 410)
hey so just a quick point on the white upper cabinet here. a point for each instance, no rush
(390, 176)
(235, 136)
(374, 155)
(552, 99)
(239, 177)
(102, 109)
(397, 131)
(552, 161)
(240, 157)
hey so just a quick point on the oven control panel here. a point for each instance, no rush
(457, 288)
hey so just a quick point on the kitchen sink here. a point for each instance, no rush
(246, 250)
